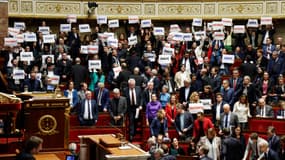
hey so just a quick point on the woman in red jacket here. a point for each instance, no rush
(170, 110)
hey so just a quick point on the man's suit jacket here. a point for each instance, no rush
(274, 143)
(215, 83)
(79, 74)
(252, 93)
(139, 98)
(122, 106)
(146, 97)
(229, 96)
(271, 32)
(188, 123)
(251, 148)
(165, 82)
(233, 121)
(94, 111)
(231, 149)
(105, 97)
(75, 98)
(205, 158)
(35, 87)
(155, 126)
(268, 111)
(139, 79)
(182, 94)
(207, 123)
(238, 83)
(275, 67)
(214, 108)
(271, 155)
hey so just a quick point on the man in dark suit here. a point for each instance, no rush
(236, 81)
(102, 95)
(215, 80)
(123, 76)
(183, 123)
(88, 112)
(64, 67)
(228, 94)
(169, 82)
(231, 147)
(267, 32)
(74, 42)
(217, 109)
(118, 108)
(275, 66)
(282, 150)
(273, 139)
(135, 102)
(203, 153)
(264, 110)
(79, 73)
(140, 81)
(281, 111)
(32, 83)
(147, 93)
(185, 92)
(268, 153)
(229, 119)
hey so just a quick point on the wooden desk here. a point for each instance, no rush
(100, 147)
(51, 155)
(258, 124)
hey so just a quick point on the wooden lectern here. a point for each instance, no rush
(47, 117)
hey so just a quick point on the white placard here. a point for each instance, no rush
(133, 40)
(198, 35)
(49, 38)
(103, 37)
(150, 56)
(168, 51)
(94, 64)
(266, 21)
(10, 42)
(145, 23)
(18, 74)
(219, 35)
(164, 59)
(116, 71)
(207, 103)
(44, 57)
(112, 42)
(217, 25)
(45, 30)
(177, 36)
(228, 59)
(187, 36)
(197, 22)
(92, 49)
(84, 49)
(227, 21)
(65, 27)
(174, 28)
(71, 18)
(13, 31)
(158, 31)
(54, 79)
(134, 19)
(30, 37)
(84, 28)
(110, 34)
(101, 19)
(194, 108)
(20, 38)
(252, 23)
(26, 56)
(113, 23)
(20, 25)
(239, 29)
(209, 26)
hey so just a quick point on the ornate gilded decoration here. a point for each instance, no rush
(13, 6)
(26, 6)
(149, 9)
(9, 99)
(47, 125)
(181, 9)
(56, 7)
(240, 8)
(209, 9)
(119, 9)
(271, 7)
(283, 7)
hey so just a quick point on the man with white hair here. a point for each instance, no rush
(133, 94)
(153, 78)
(185, 92)
(264, 110)
(118, 108)
(228, 119)
(102, 95)
(267, 153)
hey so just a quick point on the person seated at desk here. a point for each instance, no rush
(32, 146)
(159, 124)
(281, 111)
(88, 111)
(71, 93)
(32, 83)
(118, 108)
(263, 110)
(102, 95)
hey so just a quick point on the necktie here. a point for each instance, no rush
(226, 121)
(133, 97)
(99, 97)
(261, 112)
(89, 110)
(265, 156)
(149, 95)
(256, 148)
(235, 83)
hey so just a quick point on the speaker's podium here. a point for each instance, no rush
(47, 116)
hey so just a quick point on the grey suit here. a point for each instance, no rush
(251, 147)
(268, 111)
(118, 110)
(233, 121)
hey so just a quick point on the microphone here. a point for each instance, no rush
(120, 133)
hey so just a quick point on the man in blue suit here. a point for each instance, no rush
(268, 153)
(275, 66)
(268, 48)
(273, 139)
(32, 83)
(88, 112)
(102, 95)
(228, 93)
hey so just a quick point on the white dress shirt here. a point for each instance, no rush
(85, 115)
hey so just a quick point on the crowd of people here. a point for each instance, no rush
(165, 93)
